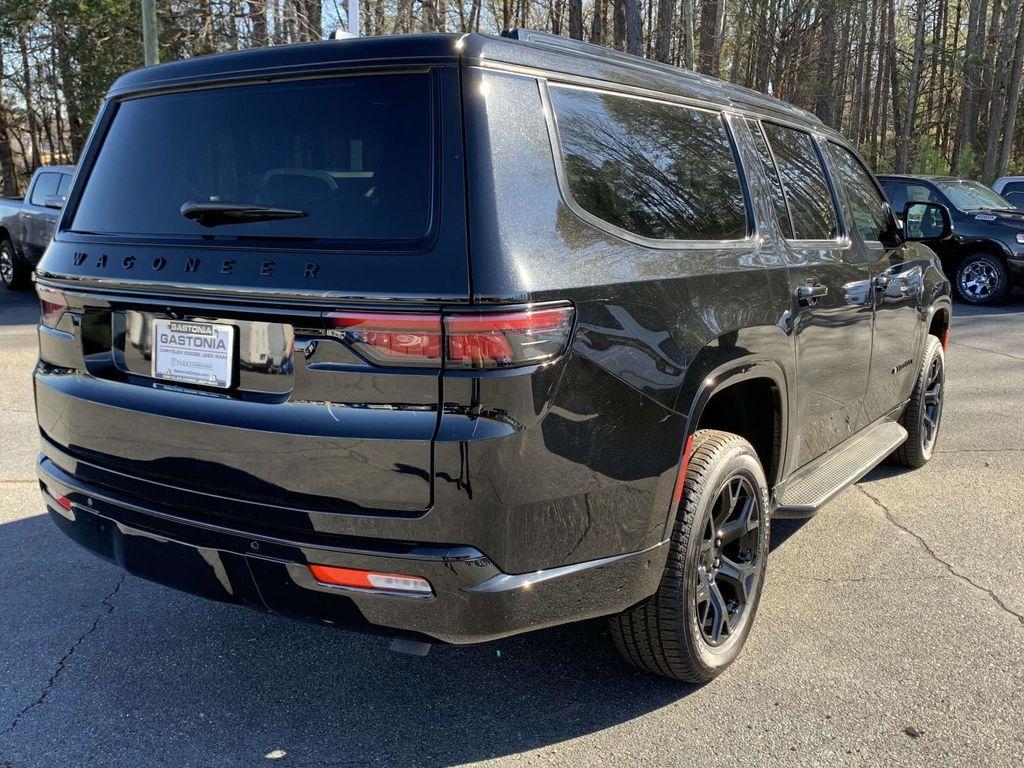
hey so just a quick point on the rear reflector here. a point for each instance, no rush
(387, 582)
(506, 339)
(458, 339)
(684, 466)
(52, 305)
(64, 501)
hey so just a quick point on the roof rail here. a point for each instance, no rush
(737, 94)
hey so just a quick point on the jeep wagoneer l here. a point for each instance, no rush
(453, 337)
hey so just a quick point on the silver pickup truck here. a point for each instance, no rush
(26, 225)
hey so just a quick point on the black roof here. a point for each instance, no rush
(520, 49)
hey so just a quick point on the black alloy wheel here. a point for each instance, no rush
(729, 561)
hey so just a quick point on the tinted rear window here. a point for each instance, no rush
(355, 154)
(655, 169)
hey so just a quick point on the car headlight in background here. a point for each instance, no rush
(1020, 238)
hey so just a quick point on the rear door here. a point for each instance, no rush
(831, 308)
(316, 387)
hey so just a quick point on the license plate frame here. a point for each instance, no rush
(193, 352)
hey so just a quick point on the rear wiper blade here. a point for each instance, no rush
(214, 214)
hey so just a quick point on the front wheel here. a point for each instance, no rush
(695, 625)
(13, 273)
(923, 414)
(982, 279)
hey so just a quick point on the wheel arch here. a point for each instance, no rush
(760, 377)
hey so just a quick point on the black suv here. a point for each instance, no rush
(454, 337)
(986, 251)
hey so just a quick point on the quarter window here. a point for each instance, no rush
(803, 179)
(867, 207)
(654, 169)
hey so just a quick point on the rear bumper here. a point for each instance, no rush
(472, 600)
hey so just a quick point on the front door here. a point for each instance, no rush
(831, 313)
(897, 283)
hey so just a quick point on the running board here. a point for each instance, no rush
(825, 478)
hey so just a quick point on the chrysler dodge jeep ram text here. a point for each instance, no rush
(453, 337)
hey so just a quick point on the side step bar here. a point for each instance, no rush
(823, 479)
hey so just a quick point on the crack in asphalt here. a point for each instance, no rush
(990, 351)
(850, 580)
(108, 608)
(935, 556)
(983, 450)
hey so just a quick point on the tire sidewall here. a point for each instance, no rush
(1001, 289)
(932, 350)
(737, 459)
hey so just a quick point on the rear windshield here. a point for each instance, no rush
(353, 155)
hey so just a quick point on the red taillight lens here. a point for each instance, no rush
(52, 306)
(386, 582)
(506, 339)
(469, 340)
(391, 338)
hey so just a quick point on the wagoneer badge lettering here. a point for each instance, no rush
(193, 264)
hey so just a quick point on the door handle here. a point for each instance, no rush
(811, 292)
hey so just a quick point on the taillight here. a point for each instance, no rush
(479, 340)
(391, 338)
(52, 306)
(506, 339)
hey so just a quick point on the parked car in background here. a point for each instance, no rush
(1011, 189)
(454, 337)
(985, 256)
(27, 224)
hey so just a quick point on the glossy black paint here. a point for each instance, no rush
(527, 496)
(975, 231)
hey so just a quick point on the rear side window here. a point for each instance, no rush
(803, 179)
(901, 193)
(46, 185)
(654, 169)
(867, 207)
(354, 155)
(775, 183)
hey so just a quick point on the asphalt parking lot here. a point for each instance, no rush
(891, 633)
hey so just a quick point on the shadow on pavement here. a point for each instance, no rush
(212, 684)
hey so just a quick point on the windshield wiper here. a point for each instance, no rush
(214, 214)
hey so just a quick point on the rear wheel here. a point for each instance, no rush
(923, 413)
(695, 625)
(982, 279)
(13, 273)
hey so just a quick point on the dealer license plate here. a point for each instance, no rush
(193, 353)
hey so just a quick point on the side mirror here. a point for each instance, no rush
(926, 221)
(54, 201)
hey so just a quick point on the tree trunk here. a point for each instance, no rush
(686, 10)
(9, 186)
(619, 24)
(576, 19)
(903, 136)
(634, 28)
(826, 95)
(1006, 147)
(30, 106)
(1000, 92)
(663, 36)
(973, 68)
